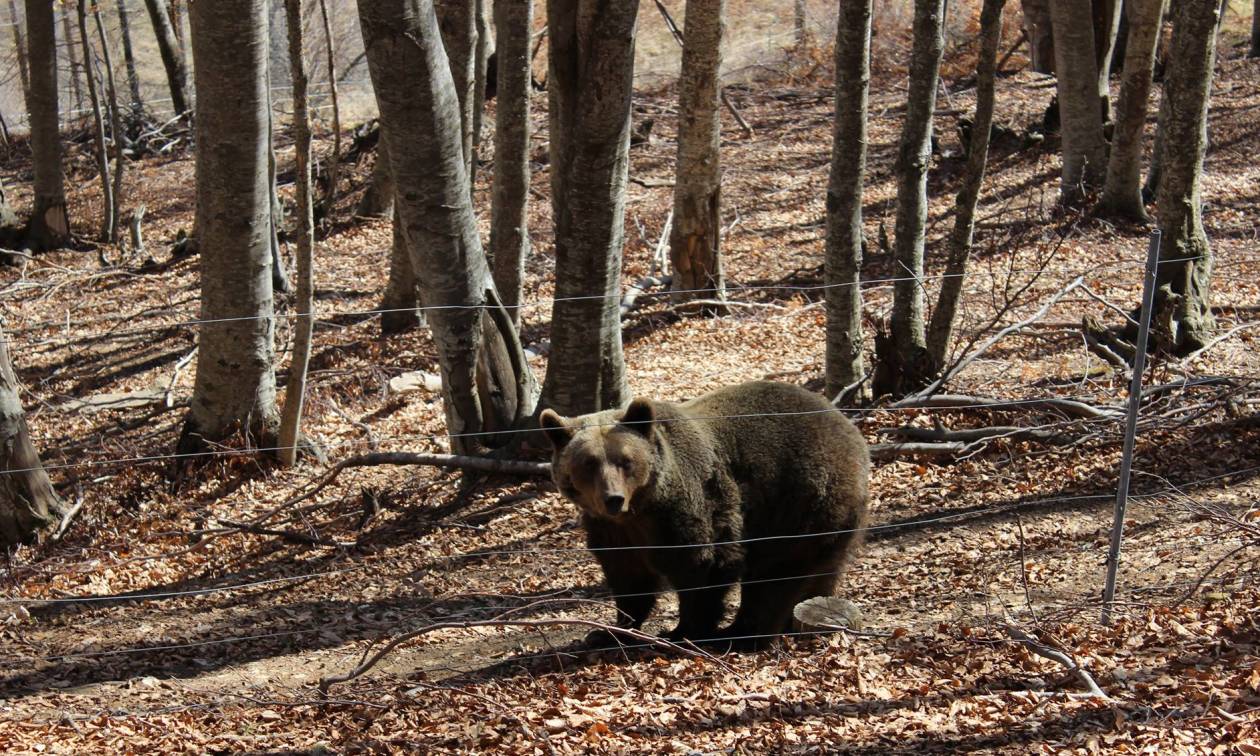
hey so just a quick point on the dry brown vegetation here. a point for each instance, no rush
(224, 635)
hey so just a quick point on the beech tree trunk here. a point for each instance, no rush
(1184, 318)
(19, 49)
(843, 260)
(235, 386)
(49, 225)
(1106, 27)
(481, 63)
(295, 390)
(1040, 34)
(904, 364)
(129, 58)
(172, 56)
(378, 199)
(98, 129)
(486, 384)
(509, 234)
(116, 128)
(590, 84)
(401, 300)
(1122, 193)
(457, 20)
(75, 70)
(334, 160)
(1084, 147)
(28, 503)
(941, 328)
(695, 240)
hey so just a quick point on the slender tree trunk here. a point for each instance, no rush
(295, 391)
(335, 158)
(1084, 148)
(481, 61)
(509, 233)
(98, 129)
(941, 328)
(401, 300)
(1254, 50)
(457, 20)
(1184, 280)
(590, 84)
(904, 364)
(1122, 193)
(28, 503)
(378, 199)
(695, 240)
(799, 16)
(1040, 34)
(170, 48)
(19, 49)
(116, 129)
(1106, 28)
(843, 261)
(75, 69)
(486, 384)
(1150, 189)
(235, 387)
(279, 275)
(129, 58)
(49, 225)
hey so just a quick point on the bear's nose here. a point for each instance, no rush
(614, 502)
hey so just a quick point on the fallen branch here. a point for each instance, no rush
(288, 535)
(1069, 407)
(886, 452)
(638, 288)
(973, 436)
(325, 683)
(1055, 655)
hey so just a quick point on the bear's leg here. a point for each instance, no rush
(703, 582)
(632, 581)
(768, 596)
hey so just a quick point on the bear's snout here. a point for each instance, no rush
(614, 503)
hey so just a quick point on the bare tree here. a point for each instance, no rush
(843, 264)
(295, 391)
(509, 234)
(28, 503)
(334, 159)
(235, 387)
(695, 240)
(19, 50)
(457, 20)
(903, 361)
(486, 384)
(49, 225)
(1254, 50)
(1122, 193)
(1084, 147)
(129, 58)
(98, 129)
(1040, 34)
(116, 127)
(1185, 320)
(170, 48)
(960, 239)
(590, 84)
(75, 70)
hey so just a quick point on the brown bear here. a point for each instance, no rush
(761, 484)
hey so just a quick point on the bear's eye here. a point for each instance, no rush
(591, 464)
(624, 463)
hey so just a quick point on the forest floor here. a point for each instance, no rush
(207, 639)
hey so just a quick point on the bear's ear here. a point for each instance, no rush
(553, 425)
(640, 416)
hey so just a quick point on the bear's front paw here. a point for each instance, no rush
(608, 638)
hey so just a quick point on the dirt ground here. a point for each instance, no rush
(154, 625)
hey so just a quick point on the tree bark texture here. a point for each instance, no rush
(235, 385)
(695, 239)
(904, 363)
(940, 330)
(28, 503)
(1106, 27)
(843, 260)
(295, 390)
(457, 20)
(590, 83)
(116, 128)
(129, 58)
(486, 384)
(509, 234)
(1122, 192)
(49, 225)
(378, 199)
(401, 295)
(172, 56)
(19, 49)
(98, 129)
(1183, 284)
(1040, 34)
(1084, 148)
(481, 64)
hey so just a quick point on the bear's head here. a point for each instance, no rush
(603, 467)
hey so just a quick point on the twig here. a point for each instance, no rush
(68, 517)
(1055, 655)
(1067, 406)
(288, 535)
(1228, 334)
(1215, 566)
(1023, 568)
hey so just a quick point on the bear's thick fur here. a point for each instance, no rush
(749, 472)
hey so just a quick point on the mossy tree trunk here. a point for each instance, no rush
(1084, 148)
(235, 385)
(486, 384)
(28, 503)
(49, 224)
(590, 83)
(1184, 282)
(1122, 193)
(695, 242)
(509, 234)
(903, 361)
(843, 260)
